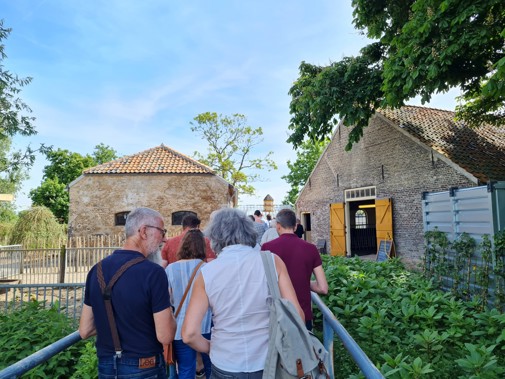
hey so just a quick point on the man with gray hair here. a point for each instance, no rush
(130, 335)
(302, 259)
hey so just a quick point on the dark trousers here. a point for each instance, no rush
(220, 374)
(124, 367)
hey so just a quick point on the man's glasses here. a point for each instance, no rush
(163, 231)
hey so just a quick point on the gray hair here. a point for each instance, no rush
(139, 217)
(229, 226)
(286, 218)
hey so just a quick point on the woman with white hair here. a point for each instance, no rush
(235, 287)
(271, 233)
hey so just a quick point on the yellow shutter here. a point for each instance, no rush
(384, 224)
(337, 229)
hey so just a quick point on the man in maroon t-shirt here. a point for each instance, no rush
(302, 259)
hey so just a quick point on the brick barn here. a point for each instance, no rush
(353, 200)
(159, 178)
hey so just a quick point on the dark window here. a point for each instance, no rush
(178, 216)
(120, 218)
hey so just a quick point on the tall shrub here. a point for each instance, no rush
(37, 228)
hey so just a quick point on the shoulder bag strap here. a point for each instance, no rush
(107, 295)
(271, 273)
(187, 289)
(270, 368)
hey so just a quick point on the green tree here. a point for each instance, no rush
(53, 195)
(231, 146)
(66, 166)
(10, 180)
(420, 47)
(307, 156)
(15, 117)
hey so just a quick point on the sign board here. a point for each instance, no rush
(384, 250)
(6, 197)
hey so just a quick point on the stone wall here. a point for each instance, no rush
(399, 168)
(95, 199)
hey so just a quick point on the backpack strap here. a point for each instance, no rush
(107, 297)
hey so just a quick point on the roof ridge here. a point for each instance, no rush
(158, 159)
(182, 155)
(421, 107)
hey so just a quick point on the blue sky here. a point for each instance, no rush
(133, 74)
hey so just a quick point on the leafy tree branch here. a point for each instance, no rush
(421, 47)
(231, 149)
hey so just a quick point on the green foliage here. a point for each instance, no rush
(14, 116)
(64, 167)
(407, 327)
(231, 147)
(300, 170)
(467, 269)
(31, 328)
(53, 195)
(37, 228)
(87, 366)
(420, 48)
(5, 232)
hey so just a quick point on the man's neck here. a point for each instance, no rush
(282, 231)
(135, 245)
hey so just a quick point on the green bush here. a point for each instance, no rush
(408, 327)
(31, 328)
(87, 367)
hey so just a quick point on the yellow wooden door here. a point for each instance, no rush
(337, 229)
(384, 216)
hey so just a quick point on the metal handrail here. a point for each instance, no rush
(41, 356)
(331, 325)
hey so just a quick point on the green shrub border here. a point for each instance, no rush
(407, 326)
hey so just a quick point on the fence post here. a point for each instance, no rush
(63, 253)
(21, 261)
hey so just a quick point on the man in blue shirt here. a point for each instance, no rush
(140, 300)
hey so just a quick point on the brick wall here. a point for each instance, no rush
(400, 169)
(95, 199)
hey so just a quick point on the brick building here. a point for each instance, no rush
(353, 200)
(159, 178)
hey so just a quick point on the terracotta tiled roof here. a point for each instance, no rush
(480, 151)
(158, 160)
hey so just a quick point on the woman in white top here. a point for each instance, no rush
(190, 254)
(235, 287)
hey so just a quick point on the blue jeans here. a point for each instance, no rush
(221, 374)
(186, 360)
(128, 368)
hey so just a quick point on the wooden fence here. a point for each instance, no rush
(68, 263)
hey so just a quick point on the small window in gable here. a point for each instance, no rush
(178, 216)
(120, 218)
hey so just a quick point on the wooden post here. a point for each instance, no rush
(63, 253)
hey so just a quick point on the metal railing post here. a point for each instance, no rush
(357, 354)
(328, 336)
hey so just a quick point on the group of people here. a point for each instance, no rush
(221, 304)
